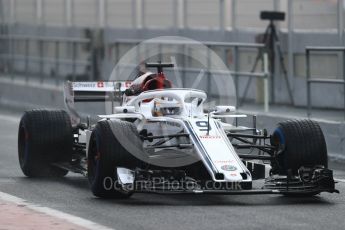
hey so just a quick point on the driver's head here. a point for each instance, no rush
(159, 81)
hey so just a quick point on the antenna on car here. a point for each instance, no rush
(159, 65)
(208, 122)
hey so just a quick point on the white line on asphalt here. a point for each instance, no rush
(52, 212)
(340, 180)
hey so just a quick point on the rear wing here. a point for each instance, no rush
(100, 91)
(96, 91)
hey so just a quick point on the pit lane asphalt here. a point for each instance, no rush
(150, 211)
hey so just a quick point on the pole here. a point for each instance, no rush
(344, 79)
(272, 60)
(308, 83)
(57, 62)
(236, 67)
(266, 89)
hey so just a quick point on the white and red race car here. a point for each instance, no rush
(161, 140)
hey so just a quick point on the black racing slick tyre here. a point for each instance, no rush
(44, 137)
(300, 143)
(107, 152)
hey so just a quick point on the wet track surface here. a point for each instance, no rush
(150, 211)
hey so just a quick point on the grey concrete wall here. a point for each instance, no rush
(22, 94)
(327, 65)
(315, 23)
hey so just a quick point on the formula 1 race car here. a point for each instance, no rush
(162, 140)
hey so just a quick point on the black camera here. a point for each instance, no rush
(272, 15)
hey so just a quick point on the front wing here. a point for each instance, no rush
(309, 182)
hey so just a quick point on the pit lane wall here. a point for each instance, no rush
(21, 95)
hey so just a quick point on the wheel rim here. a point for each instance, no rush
(278, 138)
(23, 146)
(94, 158)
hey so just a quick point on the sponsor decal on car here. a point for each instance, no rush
(83, 84)
(209, 137)
(228, 168)
(100, 84)
(223, 161)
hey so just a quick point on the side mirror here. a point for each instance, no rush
(221, 109)
(124, 109)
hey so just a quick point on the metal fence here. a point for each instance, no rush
(224, 47)
(308, 23)
(311, 80)
(30, 56)
(53, 65)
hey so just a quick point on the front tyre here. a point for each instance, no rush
(106, 153)
(301, 143)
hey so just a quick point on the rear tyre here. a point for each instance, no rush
(106, 153)
(301, 143)
(45, 137)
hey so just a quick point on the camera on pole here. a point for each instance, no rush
(272, 46)
(272, 15)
